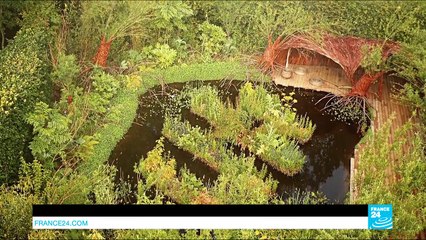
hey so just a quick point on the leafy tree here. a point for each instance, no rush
(170, 15)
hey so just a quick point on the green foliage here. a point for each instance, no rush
(42, 16)
(407, 191)
(281, 153)
(204, 72)
(104, 84)
(162, 55)
(38, 185)
(123, 110)
(125, 104)
(372, 61)
(112, 20)
(376, 20)
(67, 187)
(306, 197)
(255, 103)
(66, 71)
(52, 134)
(205, 101)
(46, 234)
(15, 217)
(103, 185)
(171, 14)
(148, 234)
(105, 88)
(192, 139)
(9, 19)
(146, 196)
(23, 70)
(212, 39)
(16, 201)
(249, 23)
(240, 182)
(117, 19)
(410, 63)
(176, 30)
(161, 172)
(67, 132)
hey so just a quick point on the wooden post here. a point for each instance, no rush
(351, 181)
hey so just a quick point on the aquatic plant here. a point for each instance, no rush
(192, 139)
(299, 128)
(239, 180)
(160, 171)
(241, 183)
(205, 102)
(256, 103)
(278, 151)
(274, 140)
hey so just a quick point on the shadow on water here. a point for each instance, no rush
(328, 152)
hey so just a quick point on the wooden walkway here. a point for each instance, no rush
(334, 81)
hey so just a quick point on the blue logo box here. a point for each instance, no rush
(380, 216)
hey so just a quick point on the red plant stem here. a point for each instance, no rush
(102, 53)
(69, 99)
(363, 84)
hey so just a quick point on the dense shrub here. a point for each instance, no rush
(212, 39)
(24, 81)
(160, 56)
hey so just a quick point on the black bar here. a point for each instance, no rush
(200, 210)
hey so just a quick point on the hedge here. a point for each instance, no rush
(127, 100)
(23, 82)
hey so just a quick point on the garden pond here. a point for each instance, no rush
(328, 152)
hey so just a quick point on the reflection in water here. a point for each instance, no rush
(328, 152)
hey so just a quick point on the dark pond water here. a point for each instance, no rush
(328, 152)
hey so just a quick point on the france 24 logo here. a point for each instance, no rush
(380, 216)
